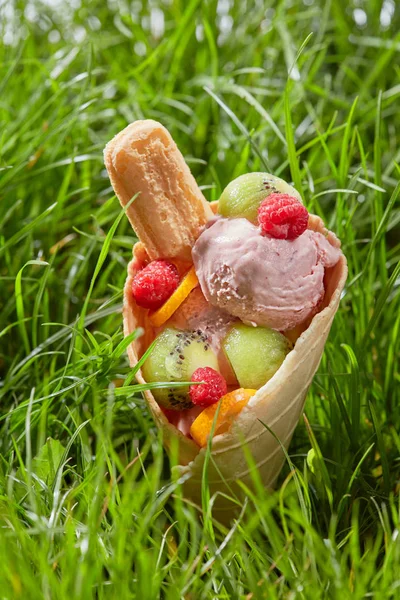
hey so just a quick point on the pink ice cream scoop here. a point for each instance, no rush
(260, 279)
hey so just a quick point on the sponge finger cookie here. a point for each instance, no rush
(169, 209)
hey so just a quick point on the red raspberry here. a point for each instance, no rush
(282, 216)
(212, 390)
(154, 284)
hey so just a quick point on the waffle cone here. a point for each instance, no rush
(278, 404)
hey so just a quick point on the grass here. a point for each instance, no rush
(88, 507)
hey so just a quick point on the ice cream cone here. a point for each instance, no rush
(278, 404)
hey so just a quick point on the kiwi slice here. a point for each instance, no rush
(175, 356)
(243, 195)
(255, 353)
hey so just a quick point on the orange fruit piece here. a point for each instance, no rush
(188, 283)
(231, 404)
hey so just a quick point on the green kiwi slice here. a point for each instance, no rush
(175, 356)
(243, 195)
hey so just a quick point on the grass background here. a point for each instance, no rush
(87, 505)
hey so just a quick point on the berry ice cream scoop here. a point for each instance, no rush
(270, 274)
(262, 280)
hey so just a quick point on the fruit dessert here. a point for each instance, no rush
(235, 300)
(257, 272)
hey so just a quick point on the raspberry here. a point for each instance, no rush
(154, 284)
(211, 391)
(282, 216)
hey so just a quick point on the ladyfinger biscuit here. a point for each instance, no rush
(169, 209)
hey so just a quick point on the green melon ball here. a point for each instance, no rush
(255, 353)
(243, 195)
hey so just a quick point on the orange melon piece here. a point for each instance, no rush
(188, 283)
(230, 405)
